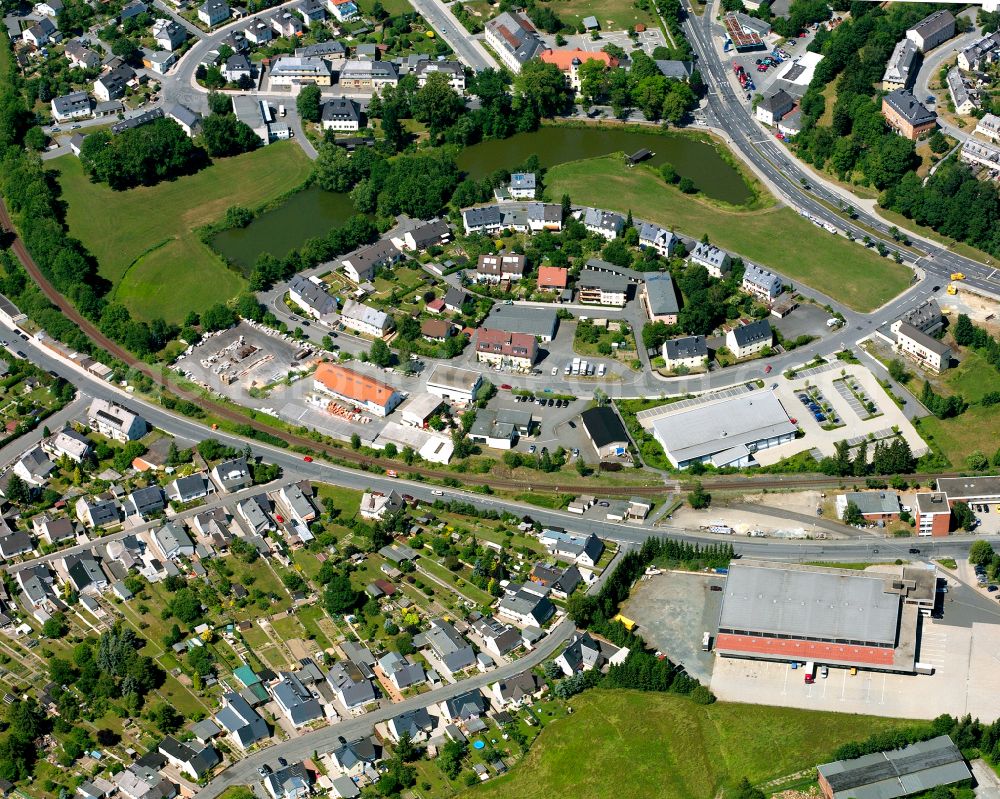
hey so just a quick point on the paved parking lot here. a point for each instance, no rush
(673, 611)
(806, 320)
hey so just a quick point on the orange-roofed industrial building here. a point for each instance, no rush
(361, 391)
(552, 278)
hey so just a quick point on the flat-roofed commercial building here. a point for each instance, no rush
(454, 384)
(841, 617)
(914, 769)
(724, 433)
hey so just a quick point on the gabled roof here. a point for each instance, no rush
(603, 426)
(752, 333)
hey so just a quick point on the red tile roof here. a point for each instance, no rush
(564, 58)
(353, 385)
(552, 277)
(794, 649)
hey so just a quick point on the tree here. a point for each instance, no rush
(339, 595)
(436, 104)
(166, 718)
(308, 103)
(540, 88)
(380, 354)
(744, 790)
(965, 519)
(852, 515)
(55, 626)
(977, 461)
(219, 103)
(980, 553)
(17, 491)
(897, 371)
(225, 135)
(140, 156)
(699, 498)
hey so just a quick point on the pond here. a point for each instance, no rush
(314, 212)
(554, 145)
(311, 212)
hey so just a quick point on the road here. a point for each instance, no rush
(469, 49)
(929, 69)
(730, 113)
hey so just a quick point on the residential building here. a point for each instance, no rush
(196, 763)
(498, 638)
(906, 115)
(418, 724)
(603, 223)
(727, 432)
(173, 542)
(237, 66)
(716, 261)
(688, 352)
(933, 30)
(356, 758)
(901, 68)
(168, 35)
(213, 12)
(496, 269)
(367, 75)
(526, 605)
(962, 95)
(41, 33)
(288, 782)
(232, 475)
(500, 429)
(351, 688)
(14, 543)
(514, 39)
(361, 265)
(48, 8)
(255, 513)
(311, 11)
(540, 323)
(677, 70)
(487, 219)
(932, 513)
(602, 288)
(661, 241)
(67, 443)
(53, 531)
(80, 56)
(927, 351)
(875, 506)
(190, 121)
(659, 298)
(522, 186)
(34, 467)
(771, 109)
(343, 10)
(450, 648)
(580, 549)
(366, 320)
(311, 296)
(761, 284)
(357, 389)
(454, 71)
(436, 330)
(925, 317)
(514, 692)
(137, 121)
(295, 700)
(71, 106)
(500, 348)
(142, 782)
(144, 502)
(330, 50)
(423, 236)
(243, 725)
(341, 114)
(584, 653)
(544, 216)
(189, 488)
(259, 32)
(465, 706)
(552, 278)
(97, 512)
(606, 433)
(454, 384)
(455, 300)
(114, 421)
(375, 505)
(560, 582)
(296, 503)
(402, 672)
(289, 70)
(981, 53)
(749, 339)
(980, 154)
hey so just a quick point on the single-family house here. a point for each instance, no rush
(687, 352)
(172, 541)
(243, 725)
(189, 488)
(214, 12)
(716, 261)
(375, 505)
(232, 475)
(514, 692)
(114, 421)
(295, 700)
(747, 340)
(350, 686)
(341, 114)
(607, 224)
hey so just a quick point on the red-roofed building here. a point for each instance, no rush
(552, 278)
(570, 61)
(436, 305)
(499, 348)
(356, 389)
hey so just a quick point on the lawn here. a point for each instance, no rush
(775, 237)
(139, 234)
(972, 378)
(679, 749)
(611, 14)
(977, 428)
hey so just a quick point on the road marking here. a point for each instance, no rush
(843, 689)
(884, 678)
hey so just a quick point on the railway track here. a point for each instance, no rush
(368, 462)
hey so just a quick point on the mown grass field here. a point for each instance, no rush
(775, 237)
(611, 14)
(144, 239)
(631, 745)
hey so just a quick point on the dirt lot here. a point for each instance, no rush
(975, 307)
(673, 611)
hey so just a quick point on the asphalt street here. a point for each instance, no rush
(468, 49)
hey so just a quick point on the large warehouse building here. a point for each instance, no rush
(839, 617)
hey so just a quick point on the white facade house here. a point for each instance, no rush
(341, 114)
(214, 12)
(750, 339)
(454, 71)
(604, 223)
(663, 242)
(761, 283)
(922, 348)
(114, 421)
(689, 352)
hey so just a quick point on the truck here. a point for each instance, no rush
(957, 276)
(281, 110)
(810, 673)
(576, 366)
(583, 368)
(952, 289)
(923, 668)
(706, 642)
